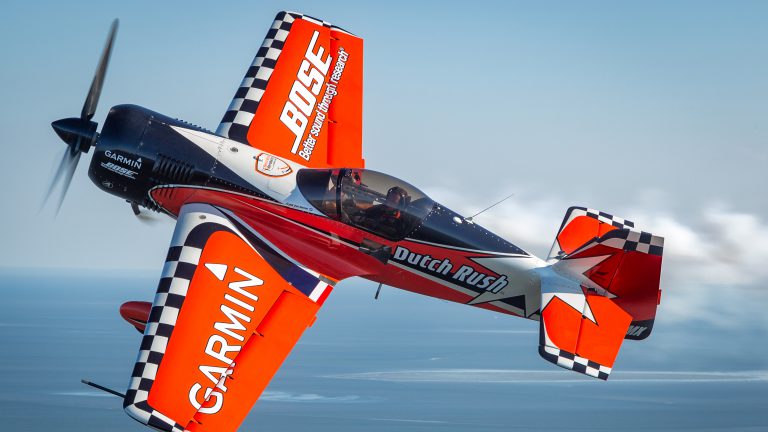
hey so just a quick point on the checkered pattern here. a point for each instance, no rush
(180, 266)
(574, 212)
(241, 111)
(567, 360)
(630, 240)
(626, 237)
(606, 218)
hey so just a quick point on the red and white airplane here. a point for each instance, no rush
(276, 207)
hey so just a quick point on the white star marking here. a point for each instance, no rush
(522, 280)
(576, 267)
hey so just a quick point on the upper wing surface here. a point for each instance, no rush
(301, 99)
(228, 310)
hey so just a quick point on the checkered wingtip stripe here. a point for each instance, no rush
(630, 240)
(179, 268)
(568, 360)
(599, 215)
(626, 237)
(241, 111)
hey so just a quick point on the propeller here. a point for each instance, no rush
(79, 133)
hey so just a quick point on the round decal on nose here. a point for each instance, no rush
(272, 166)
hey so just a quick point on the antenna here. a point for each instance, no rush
(102, 388)
(469, 219)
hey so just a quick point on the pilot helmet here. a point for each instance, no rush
(397, 197)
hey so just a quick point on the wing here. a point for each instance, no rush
(228, 310)
(301, 99)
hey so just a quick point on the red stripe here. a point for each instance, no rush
(324, 295)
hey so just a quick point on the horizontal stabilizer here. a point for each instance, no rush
(582, 332)
(610, 256)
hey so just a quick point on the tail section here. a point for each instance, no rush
(602, 286)
(630, 270)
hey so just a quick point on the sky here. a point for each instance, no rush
(654, 111)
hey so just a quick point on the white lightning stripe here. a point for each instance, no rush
(333, 237)
(240, 194)
(239, 158)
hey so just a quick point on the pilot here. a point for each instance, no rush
(387, 215)
(397, 198)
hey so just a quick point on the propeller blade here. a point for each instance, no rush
(55, 178)
(147, 218)
(69, 172)
(89, 108)
(144, 217)
(80, 133)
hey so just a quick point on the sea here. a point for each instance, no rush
(403, 362)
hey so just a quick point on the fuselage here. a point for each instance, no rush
(346, 221)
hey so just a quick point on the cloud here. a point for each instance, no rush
(717, 246)
(715, 264)
(280, 396)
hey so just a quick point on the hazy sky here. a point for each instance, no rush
(654, 111)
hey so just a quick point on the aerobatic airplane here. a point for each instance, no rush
(275, 207)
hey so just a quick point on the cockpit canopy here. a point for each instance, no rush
(370, 200)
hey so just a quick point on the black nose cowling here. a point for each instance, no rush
(79, 134)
